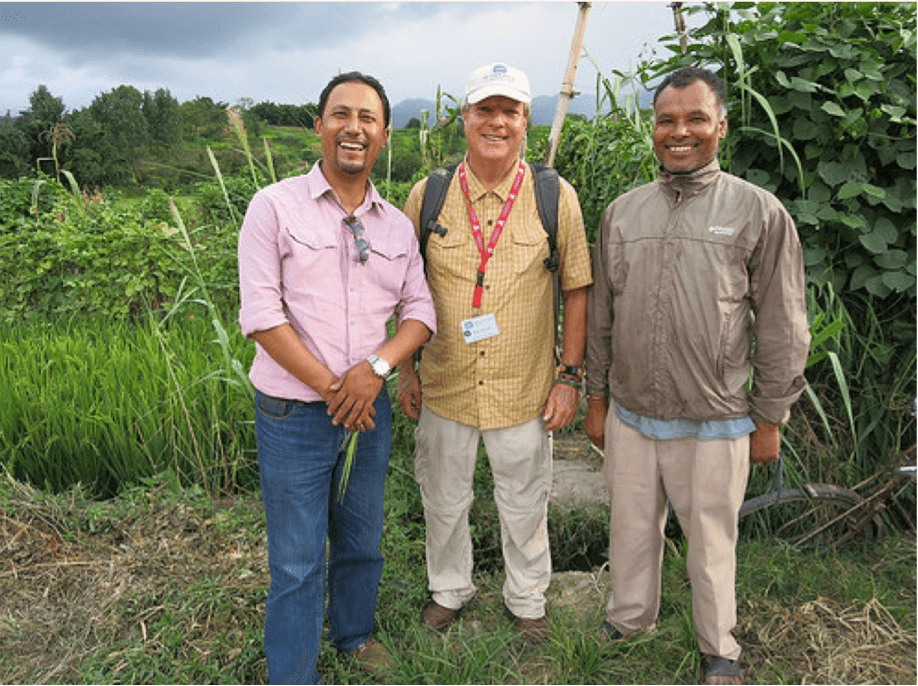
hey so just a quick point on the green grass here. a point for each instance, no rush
(107, 403)
(163, 584)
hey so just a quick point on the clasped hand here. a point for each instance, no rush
(351, 398)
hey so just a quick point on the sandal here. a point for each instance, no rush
(610, 633)
(720, 670)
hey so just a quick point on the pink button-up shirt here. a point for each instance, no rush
(298, 264)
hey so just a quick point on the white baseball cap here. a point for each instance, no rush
(497, 79)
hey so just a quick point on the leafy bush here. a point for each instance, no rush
(608, 155)
(824, 117)
(63, 255)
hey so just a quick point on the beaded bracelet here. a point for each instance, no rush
(568, 382)
(571, 370)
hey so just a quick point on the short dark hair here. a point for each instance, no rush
(685, 76)
(349, 77)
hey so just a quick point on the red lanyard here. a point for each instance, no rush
(486, 252)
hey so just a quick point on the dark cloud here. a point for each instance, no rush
(90, 31)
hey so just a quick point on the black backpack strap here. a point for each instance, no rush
(434, 197)
(547, 192)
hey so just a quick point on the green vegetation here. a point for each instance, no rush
(823, 115)
(165, 585)
(142, 557)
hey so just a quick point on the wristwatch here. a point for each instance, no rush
(380, 367)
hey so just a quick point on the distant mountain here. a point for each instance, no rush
(406, 109)
(543, 108)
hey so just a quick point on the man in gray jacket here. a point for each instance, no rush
(698, 282)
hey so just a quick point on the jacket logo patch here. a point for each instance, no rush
(722, 230)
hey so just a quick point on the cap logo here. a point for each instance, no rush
(500, 69)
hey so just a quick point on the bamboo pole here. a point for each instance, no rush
(680, 25)
(567, 88)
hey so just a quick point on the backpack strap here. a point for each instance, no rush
(432, 203)
(547, 192)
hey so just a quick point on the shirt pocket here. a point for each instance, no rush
(530, 250)
(308, 248)
(309, 264)
(386, 269)
(452, 255)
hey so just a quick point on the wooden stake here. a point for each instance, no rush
(567, 88)
(680, 25)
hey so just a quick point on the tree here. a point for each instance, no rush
(14, 150)
(203, 118)
(85, 158)
(45, 111)
(125, 130)
(162, 114)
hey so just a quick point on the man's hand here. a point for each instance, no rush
(561, 406)
(354, 394)
(594, 424)
(764, 444)
(409, 391)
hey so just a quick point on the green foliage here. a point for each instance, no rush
(608, 155)
(14, 149)
(65, 255)
(162, 115)
(300, 116)
(106, 404)
(824, 116)
(840, 79)
(125, 132)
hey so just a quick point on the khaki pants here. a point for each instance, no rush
(520, 459)
(705, 481)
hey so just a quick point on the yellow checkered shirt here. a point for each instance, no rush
(504, 380)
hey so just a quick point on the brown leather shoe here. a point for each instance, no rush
(372, 656)
(532, 630)
(438, 617)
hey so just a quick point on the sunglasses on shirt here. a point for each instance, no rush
(362, 244)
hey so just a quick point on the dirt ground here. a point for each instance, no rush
(66, 590)
(577, 472)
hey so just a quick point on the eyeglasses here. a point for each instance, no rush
(362, 244)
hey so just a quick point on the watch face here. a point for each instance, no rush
(380, 366)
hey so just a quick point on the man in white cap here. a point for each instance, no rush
(490, 372)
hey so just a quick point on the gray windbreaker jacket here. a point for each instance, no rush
(698, 280)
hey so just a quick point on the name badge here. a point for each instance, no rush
(478, 328)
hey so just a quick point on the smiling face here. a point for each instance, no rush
(688, 127)
(494, 131)
(352, 129)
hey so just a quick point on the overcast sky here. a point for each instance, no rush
(285, 52)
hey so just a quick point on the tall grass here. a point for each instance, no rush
(106, 404)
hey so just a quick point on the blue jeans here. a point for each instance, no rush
(300, 470)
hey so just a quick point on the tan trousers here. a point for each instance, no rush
(520, 459)
(705, 481)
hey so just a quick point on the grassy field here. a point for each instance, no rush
(166, 585)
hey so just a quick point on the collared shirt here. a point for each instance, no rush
(503, 380)
(667, 430)
(298, 265)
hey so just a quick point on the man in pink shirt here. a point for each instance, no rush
(324, 262)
